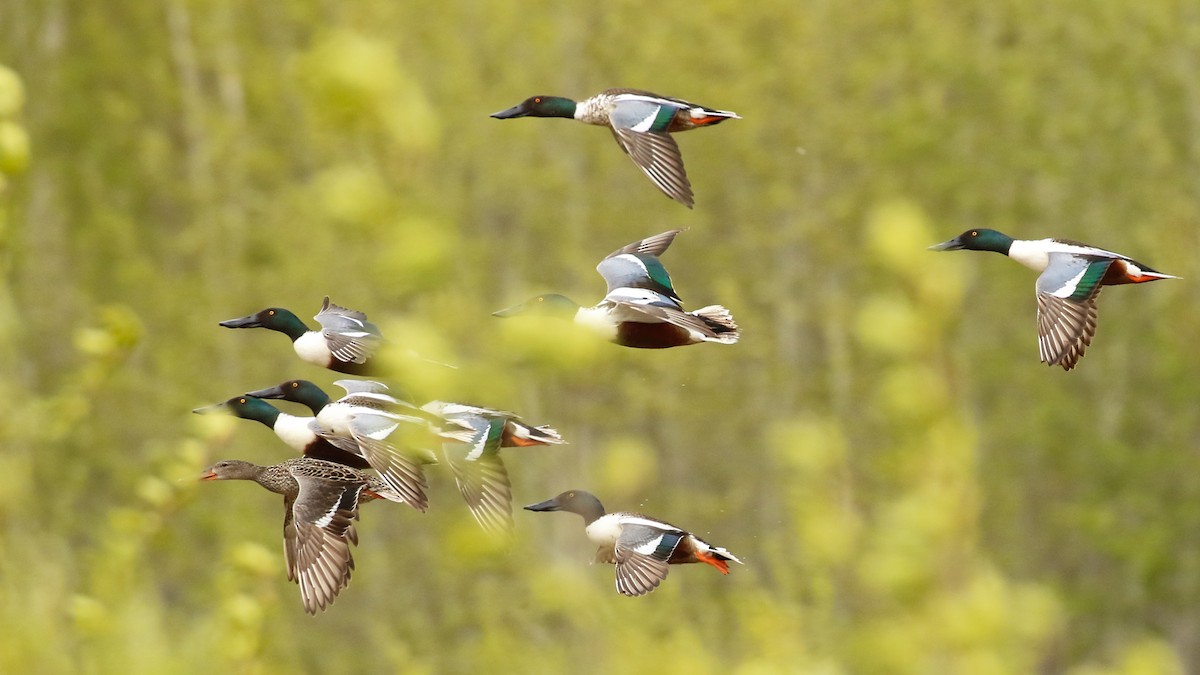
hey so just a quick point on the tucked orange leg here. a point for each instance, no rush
(713, 560)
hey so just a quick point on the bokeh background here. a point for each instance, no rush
(910, 489)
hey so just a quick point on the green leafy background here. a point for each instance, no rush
(911, 491)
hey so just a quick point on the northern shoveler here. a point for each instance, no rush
(641, 547)
(345, 343)
(303, 392)
(1072, 274)
(642, 124)
(641, 308)
(320, 501)
(293, 430)
(363, 421)
(478, 470)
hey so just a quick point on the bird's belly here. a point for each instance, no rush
(604, 530)
(311, 347)
(294, 431)
(1029, 255)
(598, 320)
(652, 335)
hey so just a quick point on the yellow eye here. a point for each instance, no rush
(538, 99)
(241, 400)
(271, 313)
(295, 385)
(974, 233)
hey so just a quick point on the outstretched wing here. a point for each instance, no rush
(637, 266)
(657, 154)
(317, 532)
(1066, 293)
(401, 470)
(350, 336)
(480, 474)
(641, 553)
(1065, 329)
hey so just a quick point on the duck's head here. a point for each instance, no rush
(297, 391)
(981, 239)
(576, 501)
(539, 106)
(547, 304)
(272, 318)
(231, 469)
(246, 407)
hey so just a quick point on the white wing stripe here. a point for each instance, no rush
(649, 547)
(645, 124)
(1068, 289)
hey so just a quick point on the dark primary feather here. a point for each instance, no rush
(657, 155)
(1065, 328)
(654, 245)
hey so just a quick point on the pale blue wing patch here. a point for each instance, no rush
(628, 270)
(635, 264)
(482, 478)
(1073, 277)
(485, 435)
(648, 540)
(461, 422)
(641, 554)
(374, 427)
(641, 115)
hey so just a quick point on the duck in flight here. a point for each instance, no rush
(1072, 274)
(345, 343)
(320, 502)
(641, 308)
(642, 124)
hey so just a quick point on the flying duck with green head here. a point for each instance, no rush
(345, 343)
(641, 308)
(1072, 274)
(293, 430)
(470, 439)
(390, 433)
(642, 124)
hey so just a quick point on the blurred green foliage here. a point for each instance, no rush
(911, 491)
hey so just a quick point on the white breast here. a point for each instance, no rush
(1033, 254)
(294, 431)
(597, 319)
(593, 110)
(312, 348)
(336, 418)
(605, 530)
